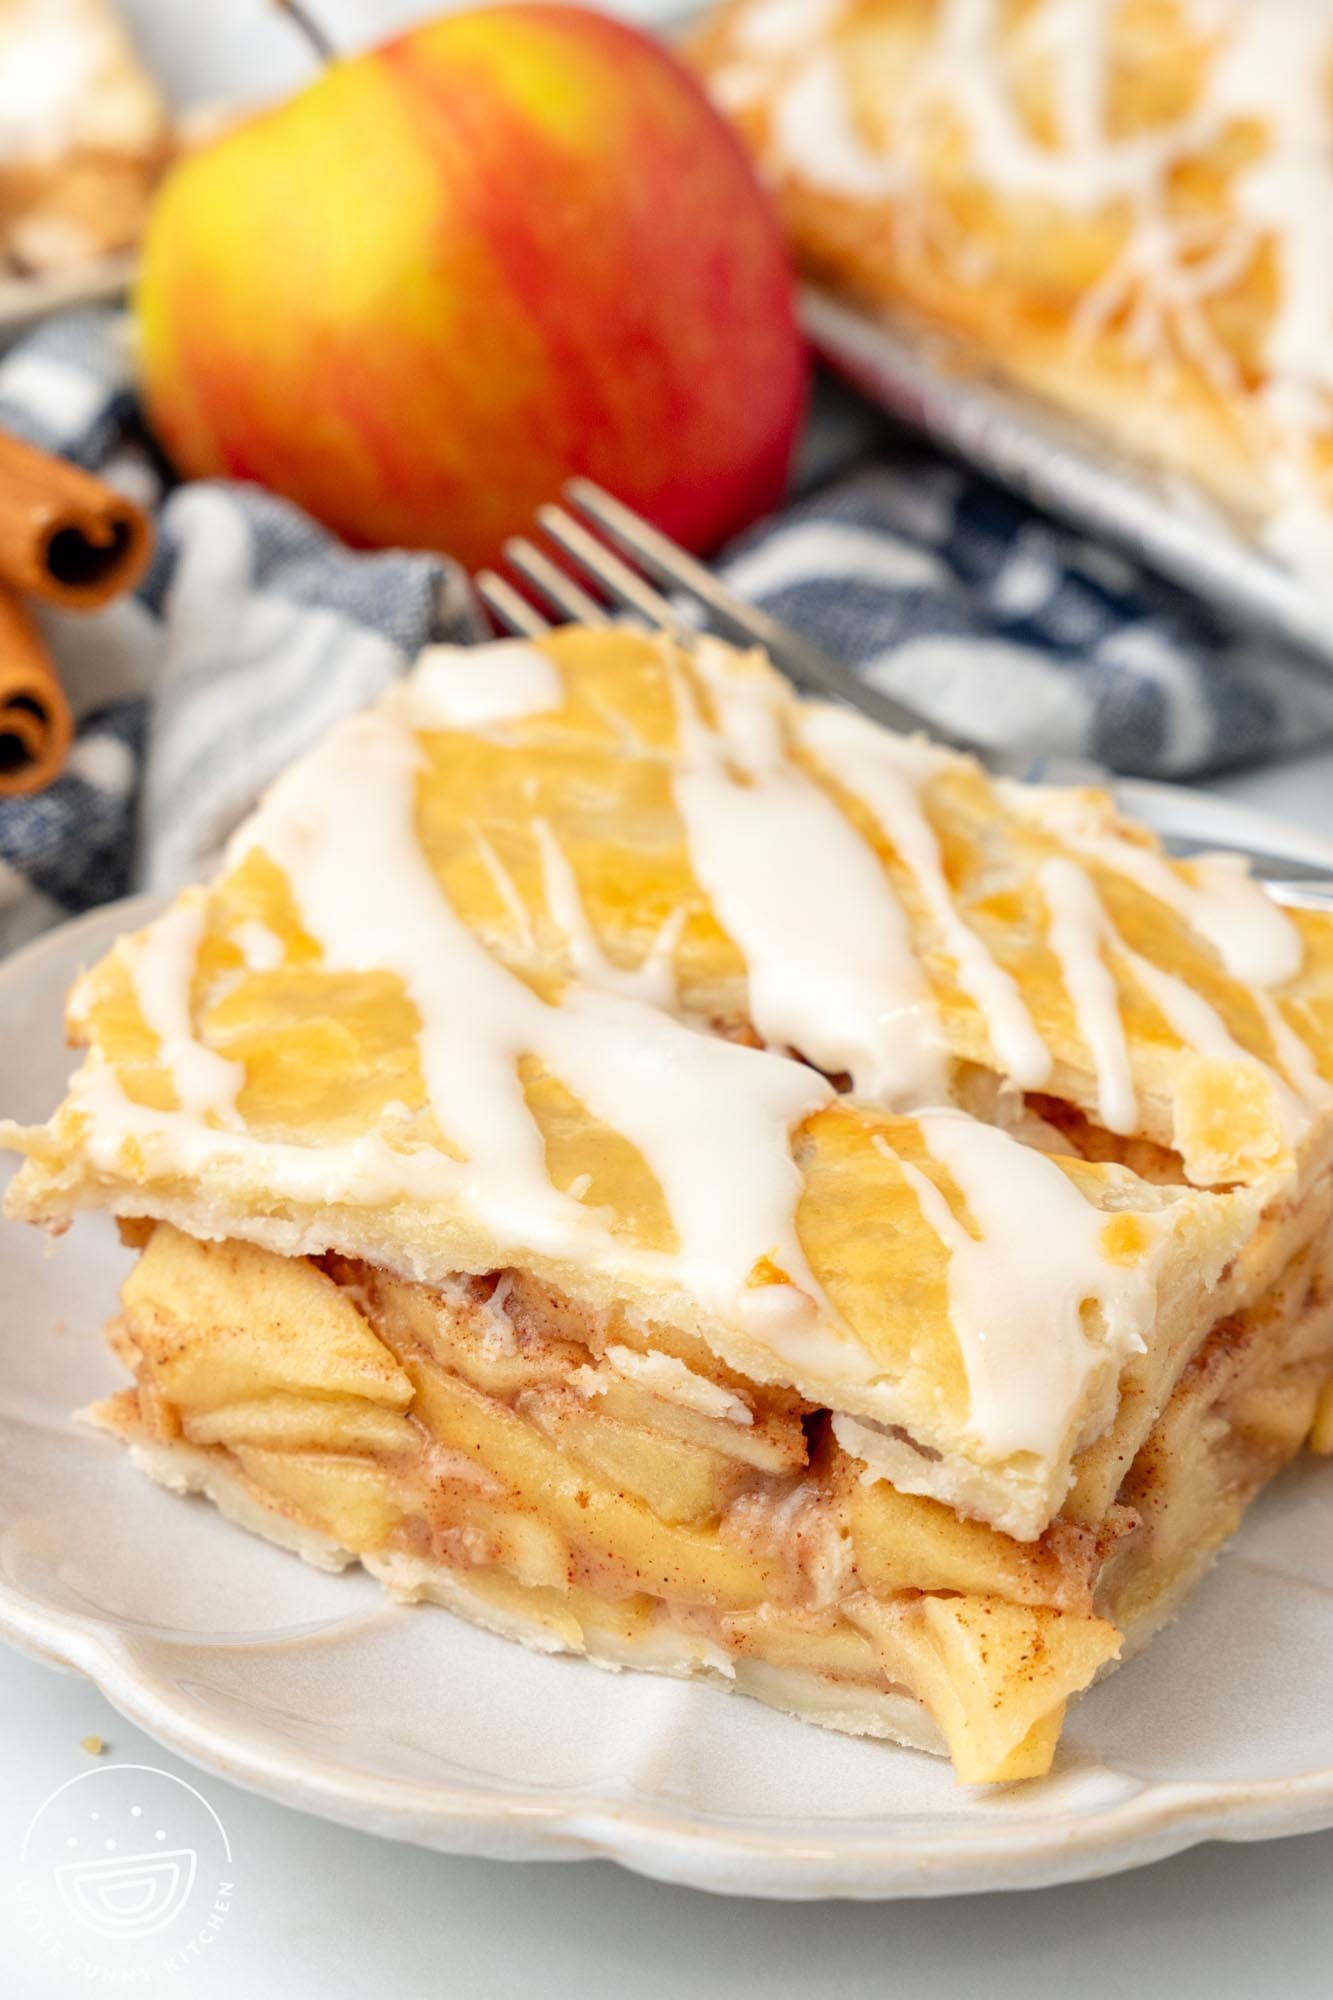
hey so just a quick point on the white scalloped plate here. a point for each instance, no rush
(317, 1691)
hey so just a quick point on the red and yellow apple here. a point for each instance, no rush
(510, 245)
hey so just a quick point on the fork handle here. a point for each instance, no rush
(1191, 821)
(735, 618)
(811, 667)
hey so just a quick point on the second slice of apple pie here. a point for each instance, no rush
(1118, 206)
(84, 136)
(682, 1175)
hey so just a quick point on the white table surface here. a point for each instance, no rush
(321, 1913)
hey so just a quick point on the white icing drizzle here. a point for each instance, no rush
(712, 1119)
(68, 78)
(814, 133)
(1266, 63)
(770, 29)
(1018, 1314)
(1201, 1027)
(1083, 172)
(478, 687)
(1082, 936)
(885, 772)
(261, 948)
(1294, 1054)
(735, 85)
(787, 1322)
(1256, 941)
(833, 972)
(653, 982)
(1188, 1015)
(161, 966)
(1078, 933)
(1274, 66)
(776, 27)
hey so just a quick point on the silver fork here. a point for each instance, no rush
(604, 544)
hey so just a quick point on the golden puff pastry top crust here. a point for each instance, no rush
(615, 962)
(1121, 203)
(680, 831)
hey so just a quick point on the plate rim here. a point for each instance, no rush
(651, 1838)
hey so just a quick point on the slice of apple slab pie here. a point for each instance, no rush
(684, 1176)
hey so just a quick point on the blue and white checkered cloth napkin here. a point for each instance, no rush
(253, 631)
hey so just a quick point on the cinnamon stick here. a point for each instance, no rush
(35, 722)
(64, 535)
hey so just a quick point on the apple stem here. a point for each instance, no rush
(308, 26)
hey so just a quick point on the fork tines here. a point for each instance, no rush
(554, 584)
(616, 569)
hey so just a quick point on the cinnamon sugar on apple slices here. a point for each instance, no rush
(683, 1175)
(1121, 204)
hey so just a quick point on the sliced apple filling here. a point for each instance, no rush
(1250, 1397)
(593, 1484)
